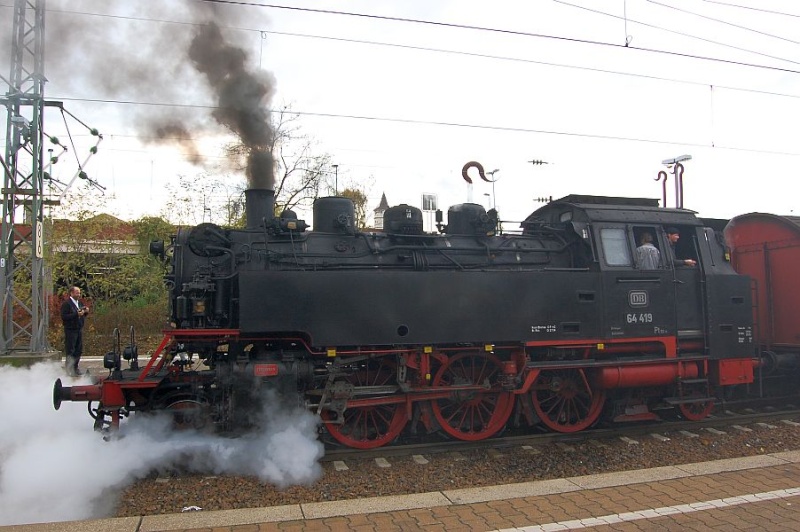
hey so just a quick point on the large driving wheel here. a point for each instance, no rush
(696, 411)
(188, 412)
(565, 401)
(369, 426)
(472, 415)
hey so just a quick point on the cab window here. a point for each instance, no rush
(615, 246)
(647, 254)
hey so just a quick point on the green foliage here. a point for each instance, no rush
(149, 228)
(360, 201)
(132, 277)
(109, 259)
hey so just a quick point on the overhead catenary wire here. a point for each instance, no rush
(494, 30)
(489, 29)
(480, 126)
(462, 52)
(725, 22)
(457, 124)
(762, 10)
(531, 61)
(530, 34)
(683, 34)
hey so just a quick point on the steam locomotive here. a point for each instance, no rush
(398, 332)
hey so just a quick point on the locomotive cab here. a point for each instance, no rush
(665, 297)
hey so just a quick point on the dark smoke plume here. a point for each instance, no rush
(178, 134)
(243, 99)
(142, 54)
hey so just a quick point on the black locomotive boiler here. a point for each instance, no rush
(466, 331)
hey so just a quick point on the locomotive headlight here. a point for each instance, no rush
(199, 307)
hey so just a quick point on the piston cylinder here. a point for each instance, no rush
(645, 375)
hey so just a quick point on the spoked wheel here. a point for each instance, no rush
(696, 411)
(472, 415)
(565, 401)
(188, 412)
(368, 427)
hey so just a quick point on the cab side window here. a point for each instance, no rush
(615, 246)
(648, 251)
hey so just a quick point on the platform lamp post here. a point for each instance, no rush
(494, 198)
(336, 182)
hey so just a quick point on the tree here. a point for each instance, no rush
(360, 202)
(206, 198)
(149, 228)
(300, 176)
(107, 257)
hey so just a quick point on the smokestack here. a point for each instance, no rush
(243, 100)
(259, 205)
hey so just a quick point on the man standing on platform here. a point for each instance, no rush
(73, 314)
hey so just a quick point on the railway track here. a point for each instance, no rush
(511, 458)
(741, 414)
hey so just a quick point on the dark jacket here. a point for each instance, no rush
(675, 260)
(69, 315)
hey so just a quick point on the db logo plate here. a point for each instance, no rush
(637, 298)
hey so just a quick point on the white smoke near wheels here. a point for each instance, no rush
(54, 467)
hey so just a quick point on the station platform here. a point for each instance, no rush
(753, 493)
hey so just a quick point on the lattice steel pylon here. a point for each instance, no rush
(24, 311)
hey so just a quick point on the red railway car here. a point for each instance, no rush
(766, 247)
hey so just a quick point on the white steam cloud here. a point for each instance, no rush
(54, 467)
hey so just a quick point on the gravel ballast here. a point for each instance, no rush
(169, 493)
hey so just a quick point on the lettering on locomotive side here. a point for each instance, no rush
(543, 328)
(637, 298)
(644, 317)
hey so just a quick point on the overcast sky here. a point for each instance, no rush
(403, 94)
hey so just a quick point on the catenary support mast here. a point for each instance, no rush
(24, 304)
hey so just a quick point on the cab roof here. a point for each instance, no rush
(583, 208)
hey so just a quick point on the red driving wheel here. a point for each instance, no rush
(368, 427)
(472, 415)
(565, 401)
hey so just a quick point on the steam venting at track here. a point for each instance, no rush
(50, 470)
